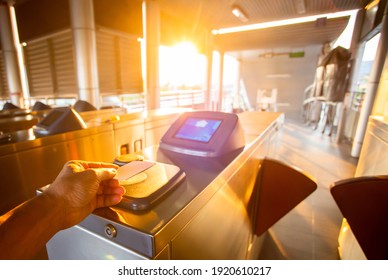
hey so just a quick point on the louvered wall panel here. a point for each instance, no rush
(65, 74)
(4, 91)
(50, 65)
(130, 54)
(119, 62)
(106, 60)
(37, 54)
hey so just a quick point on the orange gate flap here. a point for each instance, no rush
(363, 201)
(279, 188)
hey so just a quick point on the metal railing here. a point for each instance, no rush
(182, 98)
(132, 101)
(55, 101)
(168, 99)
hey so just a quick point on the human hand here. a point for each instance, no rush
(83, 186)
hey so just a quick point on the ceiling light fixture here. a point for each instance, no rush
(281, 22)
(239, 13)
(372, 4)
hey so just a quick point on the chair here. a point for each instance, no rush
(363, 201)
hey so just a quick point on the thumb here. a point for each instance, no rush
(105, 173)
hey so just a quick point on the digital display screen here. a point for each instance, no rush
(197, 129)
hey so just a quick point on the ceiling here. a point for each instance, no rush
(216, 14)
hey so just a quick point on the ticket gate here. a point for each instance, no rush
(220, 209)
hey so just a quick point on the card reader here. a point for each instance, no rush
(146, 182)
(204, 134)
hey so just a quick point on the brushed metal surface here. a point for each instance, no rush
(373, 157)
(87, 246)
(31, 162)
(207, 216)
(28, 162)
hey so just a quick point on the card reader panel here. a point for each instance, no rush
(204, 133)
(146, 182)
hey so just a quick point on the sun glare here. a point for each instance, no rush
(181, 66)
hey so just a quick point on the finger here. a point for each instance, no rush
(115, 190)
(75, 166)
(112, 183)
(100, 189)
(104, 173)
(111, 189)
(107, 200)
(92, 164)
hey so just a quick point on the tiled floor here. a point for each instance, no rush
(310, 231)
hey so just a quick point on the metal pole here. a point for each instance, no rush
(220, 96)
(209, 70)
(11, 52)
(371, 90)
(151, 33)
(84, 36)
(357, 50)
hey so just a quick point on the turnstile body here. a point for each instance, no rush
(207, 216)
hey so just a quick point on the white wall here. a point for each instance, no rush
(290, 90)
(380, 107)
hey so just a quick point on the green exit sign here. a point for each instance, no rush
(296, 54)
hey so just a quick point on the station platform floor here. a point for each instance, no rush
(310, 231)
